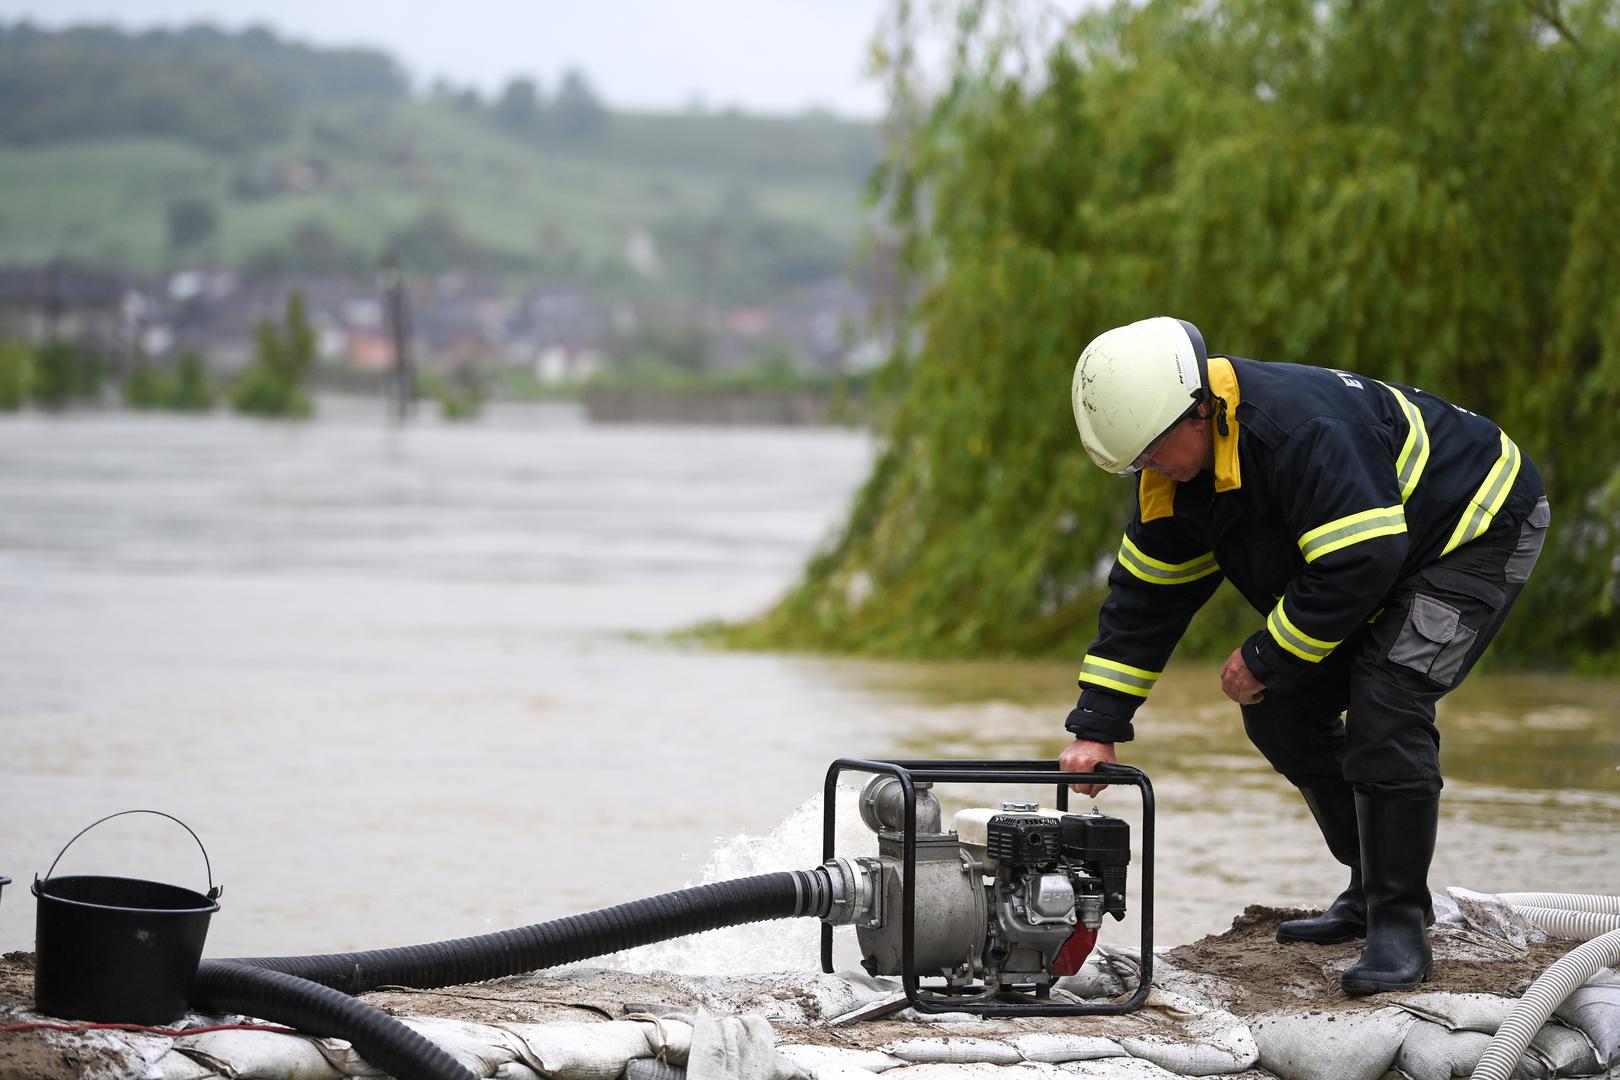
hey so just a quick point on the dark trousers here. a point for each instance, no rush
(1368, 716)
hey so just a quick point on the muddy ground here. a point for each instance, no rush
(1258, 975)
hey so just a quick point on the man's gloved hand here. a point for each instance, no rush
(1084, 756)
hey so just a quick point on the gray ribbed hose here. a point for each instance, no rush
(1570, 911)
(1579, 916)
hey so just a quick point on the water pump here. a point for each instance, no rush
(996, 907)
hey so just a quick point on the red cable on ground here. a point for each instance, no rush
(171, 1032)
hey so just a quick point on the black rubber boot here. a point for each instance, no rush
(1333, 805)
(1397, 844)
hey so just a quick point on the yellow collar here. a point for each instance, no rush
(1157, 493)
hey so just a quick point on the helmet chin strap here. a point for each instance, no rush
(1206, 396)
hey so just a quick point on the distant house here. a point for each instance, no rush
(458, 321)
(559, 335)
(819, 328)
(95, 308)
(217, 316)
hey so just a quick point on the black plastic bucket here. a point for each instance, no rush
(118, 950)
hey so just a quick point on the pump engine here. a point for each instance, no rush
(1010, 898)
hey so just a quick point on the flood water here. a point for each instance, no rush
(416, 684)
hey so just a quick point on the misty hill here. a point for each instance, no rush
(159, 150)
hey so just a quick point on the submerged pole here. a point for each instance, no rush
(402, 381)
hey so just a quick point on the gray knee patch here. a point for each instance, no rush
(1532, 535)
(1433, 641)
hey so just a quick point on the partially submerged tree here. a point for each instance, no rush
(1421, 192)
(274, 387)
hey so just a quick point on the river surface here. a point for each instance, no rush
(411, 684)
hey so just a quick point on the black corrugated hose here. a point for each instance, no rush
(225, 986)
(301, 990)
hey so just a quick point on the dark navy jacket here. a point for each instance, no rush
(1328, 489)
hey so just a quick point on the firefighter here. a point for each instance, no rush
(1382, 534)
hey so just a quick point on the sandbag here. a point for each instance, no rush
(1056, 1049)
(669, 1038)
(516, 1070)
(652, 1069)
(1434, 1052)
(1565, 1051)
(1195, 1059)
(265, 1055)
(734, 1048)
(1346, 1046)
(1211, 1042)
(1458, 1012)
(816, 1060)
(1125, 1068)
(1594, 1008)
(587, 1051)
(179, 1066)
(953, 1050)
(942, 1070)
(478, 1048)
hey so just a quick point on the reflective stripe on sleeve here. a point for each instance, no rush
(1285, 633)
(1487, 500)
(1414, 453)
(1116, 676)
(1158, 572)
(1352, 529)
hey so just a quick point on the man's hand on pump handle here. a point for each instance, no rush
(1082, 755)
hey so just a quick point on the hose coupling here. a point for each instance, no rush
(855, 895)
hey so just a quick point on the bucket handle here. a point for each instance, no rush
(214, 891)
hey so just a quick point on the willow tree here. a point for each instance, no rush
(1423, 192)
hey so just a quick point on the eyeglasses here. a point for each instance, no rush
(1146, 456)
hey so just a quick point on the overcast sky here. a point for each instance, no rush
(763, 55)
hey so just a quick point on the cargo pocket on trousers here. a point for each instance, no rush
(1433, 641)
(1532, 535)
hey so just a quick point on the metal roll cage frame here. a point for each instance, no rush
(910, 773)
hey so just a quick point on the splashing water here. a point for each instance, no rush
(777, 945)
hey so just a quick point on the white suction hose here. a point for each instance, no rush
(1572, 925)
(1563, 915)
(1567, 901)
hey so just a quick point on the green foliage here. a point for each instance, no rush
(186, 389)
(518, 108)
(579, 113)
(63, 373)
(215, 89)
(192, 221)
(274, 386)
(1421, 192)
(461, 395)
(575, 114)
(16, 368)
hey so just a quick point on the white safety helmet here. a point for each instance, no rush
(1133, 384)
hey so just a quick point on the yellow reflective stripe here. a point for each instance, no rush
(1488, 499)
(1312, 650)
(1414, 453)
(1101, 671)
(1352, 529)
(1158, 572)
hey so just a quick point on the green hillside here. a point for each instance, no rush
(735, 206)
